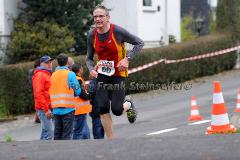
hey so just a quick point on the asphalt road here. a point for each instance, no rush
(162, 130)
(224, 147)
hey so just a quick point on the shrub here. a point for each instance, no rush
(29, 42)
(15, 93)
(187, 29)
(172, 39)
(180, 72)
(73, 13)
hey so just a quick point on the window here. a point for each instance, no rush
(149, 6)
(147, 3)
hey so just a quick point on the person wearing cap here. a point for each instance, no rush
(64, 88)
(41, 84)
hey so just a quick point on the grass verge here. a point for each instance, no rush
(4, 116)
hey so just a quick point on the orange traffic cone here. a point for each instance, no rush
(194, 115)
(238, 102)
(220, 121)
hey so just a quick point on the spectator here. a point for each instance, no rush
(41, 84)
(83, 107)
(97, 128)
(64, 88)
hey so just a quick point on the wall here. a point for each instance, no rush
(174, 19)
(151, 22)
(8, 11)
(1, 28)
(123, 13)
(153, 25)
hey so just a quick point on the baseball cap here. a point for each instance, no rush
(45, 58)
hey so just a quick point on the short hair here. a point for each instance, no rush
(62, 59)
(36, 63)
(76, 67)
(100, 6)
(70, 62)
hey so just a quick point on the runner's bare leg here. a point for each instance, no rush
(106, 120)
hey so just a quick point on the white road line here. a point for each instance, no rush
(162, 131)
(200, 122)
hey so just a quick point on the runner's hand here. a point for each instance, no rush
(123, 64)
(48, 114)
(94, 73)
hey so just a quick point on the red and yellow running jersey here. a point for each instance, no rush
(110, 50)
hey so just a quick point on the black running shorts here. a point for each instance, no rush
(110, 93)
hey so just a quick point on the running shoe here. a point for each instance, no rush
(131, 112)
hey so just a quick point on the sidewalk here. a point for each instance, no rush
(22, 121)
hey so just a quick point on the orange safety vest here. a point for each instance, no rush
(82, 106)
(60, 93)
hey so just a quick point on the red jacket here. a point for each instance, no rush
(41, 83)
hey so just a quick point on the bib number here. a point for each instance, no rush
(106, 67)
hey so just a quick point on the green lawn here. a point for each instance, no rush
(238, 131)
(4, 116)
(2, 111)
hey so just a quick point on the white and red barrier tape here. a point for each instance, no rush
(166, 61)
(133, 70)
(212, 54)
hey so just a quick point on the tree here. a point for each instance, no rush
(228, 17)
(29, 42)
(197, 8)
(224, 17)
(76, 14)
(187, 28)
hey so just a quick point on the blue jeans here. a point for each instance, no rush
(80, 127)
(46, 126)
(97, 128)
(63, 126)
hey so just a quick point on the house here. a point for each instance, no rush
(8, 11)
(151, 20)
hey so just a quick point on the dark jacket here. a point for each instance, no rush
(92, 91)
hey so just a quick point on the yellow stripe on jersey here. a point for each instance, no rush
(121, 54)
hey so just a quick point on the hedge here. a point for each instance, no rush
(16, 96)
(179, 72)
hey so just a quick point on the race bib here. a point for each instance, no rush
(106, 67)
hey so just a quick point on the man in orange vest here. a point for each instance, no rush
(108, 42)
(83, 107)
(64, 88)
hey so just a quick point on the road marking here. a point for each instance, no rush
(200, 122)
(161, 131)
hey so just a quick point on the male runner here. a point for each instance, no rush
(108, 42)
